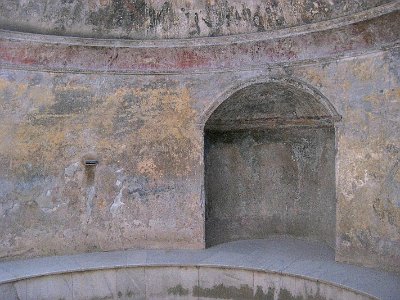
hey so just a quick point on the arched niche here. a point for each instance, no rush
(270, 165)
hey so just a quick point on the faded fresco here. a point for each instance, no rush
(140, 19)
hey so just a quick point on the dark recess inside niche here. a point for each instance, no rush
(270, 166)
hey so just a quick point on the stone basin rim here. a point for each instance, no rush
(188, 265)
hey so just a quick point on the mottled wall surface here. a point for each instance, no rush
(272, 181)
(366, 92)
(141, 19)
(145, 191)
(147, 186)
(140, 109)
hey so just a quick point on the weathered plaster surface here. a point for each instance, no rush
(141, 19)
(146, 190)
(140, 111)
(144, 135)
(84, 55)
(366, 92)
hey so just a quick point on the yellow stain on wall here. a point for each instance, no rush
(23, 98)
(377, 99)
(39, 97)
(158, 129)
(3, 84)
(154, 130)
(24, 140)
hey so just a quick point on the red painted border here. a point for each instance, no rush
(359, 37)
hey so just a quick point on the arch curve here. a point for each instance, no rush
(288, 82)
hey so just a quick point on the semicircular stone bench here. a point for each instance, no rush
(276, 268)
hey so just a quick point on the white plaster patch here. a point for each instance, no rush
(50, 210)
(48, 201)
(345, 244)
(117, 203)
(354, 184)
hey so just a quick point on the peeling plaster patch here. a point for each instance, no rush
(351, 186)
(138, 188)
(48, 199)
(117, 201)
(50, 210)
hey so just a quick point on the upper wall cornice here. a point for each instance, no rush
(362, 33)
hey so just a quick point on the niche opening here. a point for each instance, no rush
(270, 165)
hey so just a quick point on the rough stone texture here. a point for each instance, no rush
(141, 19)
(276, 181)
(140, 108)
(49, 207)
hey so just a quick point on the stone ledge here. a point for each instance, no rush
(284, 256)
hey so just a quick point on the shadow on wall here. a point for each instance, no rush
(270, 165)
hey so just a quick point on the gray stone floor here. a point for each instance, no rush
(277, 254)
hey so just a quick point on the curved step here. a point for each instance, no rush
(274, 268)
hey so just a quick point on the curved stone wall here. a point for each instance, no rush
(154, 19)
(139, 108)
